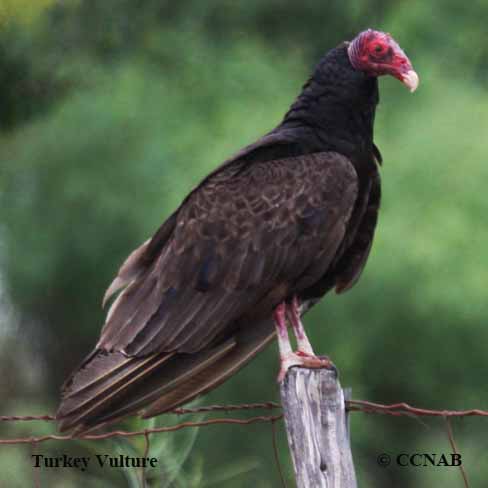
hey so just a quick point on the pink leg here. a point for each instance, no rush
(282, 329)
(305, 355)
(304, 346)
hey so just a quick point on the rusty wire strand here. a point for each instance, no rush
(176, 411)
(395, 409)
(123, 433)
(404, 409)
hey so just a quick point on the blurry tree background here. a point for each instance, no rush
(110, 111)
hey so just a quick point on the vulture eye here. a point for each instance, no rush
(378, 48)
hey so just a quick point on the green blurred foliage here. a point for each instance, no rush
(111, 111)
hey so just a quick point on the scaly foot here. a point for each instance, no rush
(304, 359)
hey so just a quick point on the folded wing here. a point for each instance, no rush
(241, 242)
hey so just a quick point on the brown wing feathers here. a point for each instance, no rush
(247, 233)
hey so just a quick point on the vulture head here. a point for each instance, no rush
(377, 53)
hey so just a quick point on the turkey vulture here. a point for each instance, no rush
(258, 242)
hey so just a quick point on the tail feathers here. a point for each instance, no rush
(110, 386)
(176, 373)
(94, 390)
(248, 344)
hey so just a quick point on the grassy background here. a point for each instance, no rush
(111, 112)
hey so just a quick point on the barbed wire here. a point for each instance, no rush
(133, 433)
(404, 409)
(177, 411)
(394, 409)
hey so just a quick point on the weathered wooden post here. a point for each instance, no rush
(317, 429)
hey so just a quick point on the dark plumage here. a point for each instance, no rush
(268, 233)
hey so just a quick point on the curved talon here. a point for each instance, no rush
(304, 360)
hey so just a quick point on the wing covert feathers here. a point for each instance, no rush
(196, 300)
(234, 240)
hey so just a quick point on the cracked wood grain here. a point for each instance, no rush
(317, 429)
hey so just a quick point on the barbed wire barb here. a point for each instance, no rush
(395, 409)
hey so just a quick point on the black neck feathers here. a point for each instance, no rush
(338, 105)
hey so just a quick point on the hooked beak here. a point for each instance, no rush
(410, 79)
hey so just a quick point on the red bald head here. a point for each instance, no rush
(377, 53)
